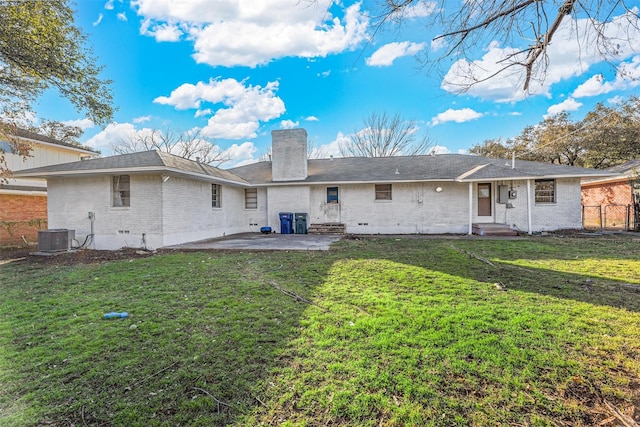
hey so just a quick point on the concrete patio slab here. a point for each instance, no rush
(267, 242)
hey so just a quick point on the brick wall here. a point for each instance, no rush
(419, 208)
(167, 212)
(188, 215)
(21, 216)
(605, 204)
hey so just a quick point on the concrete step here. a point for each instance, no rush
(327, 228)
(493, 230)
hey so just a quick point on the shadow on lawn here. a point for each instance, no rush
(207, 331)
(203, 334)
(493, 261)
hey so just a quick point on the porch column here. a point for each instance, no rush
(529, 223)
(470, 208)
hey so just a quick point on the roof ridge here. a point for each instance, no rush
(471, 171)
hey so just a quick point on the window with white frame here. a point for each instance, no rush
(251, 198)
(121, 190)
(383, 191)
(216, 196)
(545, 190)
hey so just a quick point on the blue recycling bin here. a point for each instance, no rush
(286, 222)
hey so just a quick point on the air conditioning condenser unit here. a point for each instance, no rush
(55, 240)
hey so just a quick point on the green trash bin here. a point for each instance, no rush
(301, 223)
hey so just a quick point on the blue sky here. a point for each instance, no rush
(238, 69)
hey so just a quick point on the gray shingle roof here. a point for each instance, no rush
(618, 172)
(630, 166)
(157, 161)
(444, 167)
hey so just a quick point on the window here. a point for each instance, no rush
(332, 194)
(121, 188)
(251, 198)
(4, 146)
(383, 191)
(216, 196)
(545, 190)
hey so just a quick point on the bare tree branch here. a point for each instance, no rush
(187, 144)
(385, 136)
(526, 28)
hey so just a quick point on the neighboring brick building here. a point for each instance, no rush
(23, 202)
(614, 202)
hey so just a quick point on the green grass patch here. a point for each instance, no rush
(378, 331)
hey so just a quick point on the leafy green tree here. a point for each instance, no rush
(613, 134)
(607, 136)
(58, 131)
(41, 48)
(554, 140)
(495, 148)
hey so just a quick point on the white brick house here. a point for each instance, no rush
(154, 199)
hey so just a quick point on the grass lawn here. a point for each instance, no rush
(376, 332)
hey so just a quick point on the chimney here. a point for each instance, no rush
(289, 155)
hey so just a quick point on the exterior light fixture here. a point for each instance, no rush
(438, 189)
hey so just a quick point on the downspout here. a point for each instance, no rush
(470, 232)
(529, 223)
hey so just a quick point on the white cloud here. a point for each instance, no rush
(203, 113)
(507, 87)
(112, 135)
(250, 33)
(568, 56)
(388, 53)
(142, 119)
(239, 155)
(98, 21)
(109, 5)
(115, 133)
(244, 106)
(122, 16)
(627, 76)
(437, 44)
(458, 116)
(440, 149)
(419, 9)
(289, 124)
(311, 119)
(165, 32)
(324, 74)
(592, 87)
(568, 104)
(331, 149)
(81, 123)
(616, 100)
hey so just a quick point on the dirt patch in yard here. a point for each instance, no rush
(86, 256)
